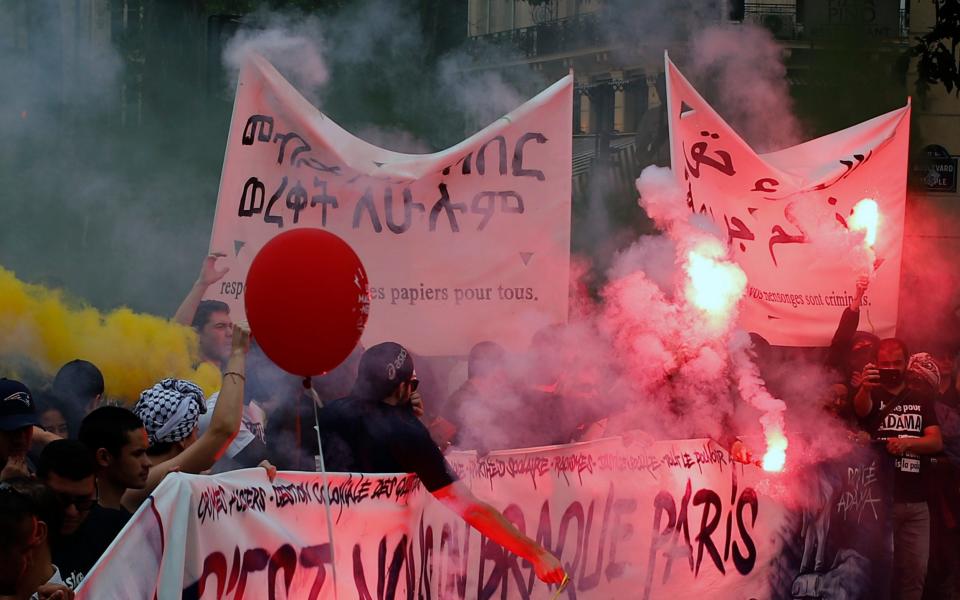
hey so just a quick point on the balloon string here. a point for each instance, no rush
(323, 473)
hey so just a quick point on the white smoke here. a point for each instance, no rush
(295, 46)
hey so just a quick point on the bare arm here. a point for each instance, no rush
(209, 274)
(488, 521)
(15, 467)
(224, 425)
(842, 342)
(42, 437)
(862, 402)
(227, 415)
(930, 443)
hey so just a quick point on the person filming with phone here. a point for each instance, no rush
(906, 421)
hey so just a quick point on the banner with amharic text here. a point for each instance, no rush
(467, 244)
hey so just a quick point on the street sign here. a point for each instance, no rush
(936, 172)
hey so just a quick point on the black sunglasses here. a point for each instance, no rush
(414, 384)
(83, 503)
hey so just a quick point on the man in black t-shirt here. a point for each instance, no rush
(907, 422)
(119, 444)
(67, 467)
(375, 430)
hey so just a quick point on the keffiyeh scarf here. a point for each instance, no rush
(170, 410)
(923, 365)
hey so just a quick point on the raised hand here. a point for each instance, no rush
(209, 273)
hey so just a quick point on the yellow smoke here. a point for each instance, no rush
(132, 350)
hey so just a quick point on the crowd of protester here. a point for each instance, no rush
(908, 405)
(76, 466)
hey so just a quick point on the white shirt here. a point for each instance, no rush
(54, 580)
(251, 428)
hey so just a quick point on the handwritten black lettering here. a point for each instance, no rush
(366, 204)
(271, 218)
(251, 200)
(259, 126)
(324, 199)
(444, 205)
(518, 170)
(482, 155)
(297, 200)
(408, 207)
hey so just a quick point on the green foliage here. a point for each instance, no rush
(937, 50)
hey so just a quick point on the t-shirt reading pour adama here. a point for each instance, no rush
(913, 412)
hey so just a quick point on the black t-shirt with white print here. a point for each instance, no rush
(75, 554)
(913, 413)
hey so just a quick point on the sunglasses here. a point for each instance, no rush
(82, 503)
(414, 384)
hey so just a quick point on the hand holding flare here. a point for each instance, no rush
(563, 586)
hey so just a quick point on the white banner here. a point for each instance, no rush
(787, 214)
(468, 244)
(670, 519)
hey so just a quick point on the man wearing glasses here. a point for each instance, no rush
(376, 430)
(68, 468)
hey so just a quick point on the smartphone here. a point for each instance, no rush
(890, 377)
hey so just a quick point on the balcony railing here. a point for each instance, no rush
(561, 35)
(780, 19)
(786, 23)
(587, 31)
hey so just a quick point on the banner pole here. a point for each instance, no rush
(315, 400)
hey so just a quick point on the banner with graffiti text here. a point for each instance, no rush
(469, 244)
(803, 222)
(661, 520)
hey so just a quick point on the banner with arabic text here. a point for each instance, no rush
(788, 215)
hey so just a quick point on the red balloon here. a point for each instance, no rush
(307, 300)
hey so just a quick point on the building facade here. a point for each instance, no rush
(846, 61)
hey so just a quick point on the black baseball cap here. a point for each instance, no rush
(17, 409)
(383, 367)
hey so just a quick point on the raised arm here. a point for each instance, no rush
(224, 425)
(488, 521)
(862, 402)
(842, 341)
(227, 414)
(863, 282)
(209, 274)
